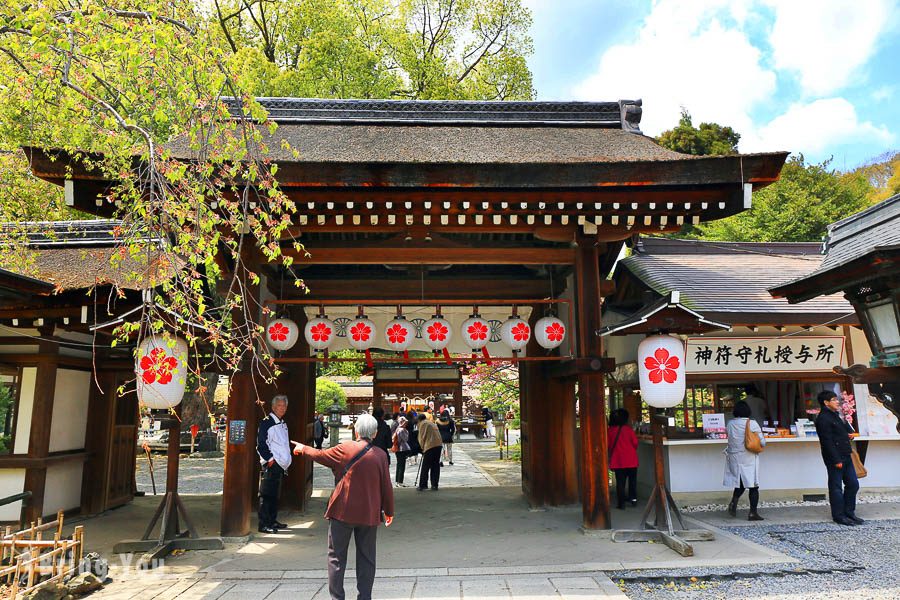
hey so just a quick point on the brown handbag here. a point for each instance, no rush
(751, 440)
(858, 465)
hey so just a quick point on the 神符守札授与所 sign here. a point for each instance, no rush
(762, 355)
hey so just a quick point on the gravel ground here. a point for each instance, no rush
(863, 498)
(836, 562)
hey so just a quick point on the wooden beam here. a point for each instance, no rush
(424, 255)
(582, 367)
(350, 289)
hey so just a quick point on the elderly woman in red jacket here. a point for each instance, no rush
(623, 459)
(362, 493)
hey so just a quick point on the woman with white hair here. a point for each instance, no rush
(362, 496)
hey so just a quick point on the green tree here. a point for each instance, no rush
(709, 138)
(797, 208)
(351, 369)
(422, 49)
(327, 393)
(497, 385)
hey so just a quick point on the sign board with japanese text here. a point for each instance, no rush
(764, 355)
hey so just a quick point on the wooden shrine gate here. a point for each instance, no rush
(418, 201)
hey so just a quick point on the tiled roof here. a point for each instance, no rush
(862, 233)
(728, 277)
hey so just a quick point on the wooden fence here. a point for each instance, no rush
(38, 555)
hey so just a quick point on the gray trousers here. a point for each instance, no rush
(338, 544)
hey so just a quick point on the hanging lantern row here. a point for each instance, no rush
(437, 333)
(161, 370)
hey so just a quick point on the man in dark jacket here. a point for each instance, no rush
(383, 436)
(834, 440)
(274, 450)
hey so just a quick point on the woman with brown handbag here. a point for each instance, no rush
(742, 464)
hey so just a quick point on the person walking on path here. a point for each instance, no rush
(623, 458)
(741, 465)
(430, 442)
(402, 437)
(274, 449)
(320, 431)
(448, 429)
(488, 417)
(834, 439)
(362, 494)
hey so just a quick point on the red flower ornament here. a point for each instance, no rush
(477, 331)
(396, 333)
(662, 367)
(320, 332)
(361, 332)
(555, 332)
(437, 332)
(520, 332)
(157, 367)
(278, 332)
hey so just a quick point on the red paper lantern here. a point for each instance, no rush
(549, 332)
(515, 333)
(661, 370)
(161, 369)
(319, 332)
(282, 334)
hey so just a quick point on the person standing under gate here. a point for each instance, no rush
(320, 431)
(274, 450)
(430, 442)
(362, 497)
(834, 439)
(623, 458)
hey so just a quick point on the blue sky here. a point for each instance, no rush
(818, 77)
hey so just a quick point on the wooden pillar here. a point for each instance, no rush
(561, 466)
(592, 405)
(294, 383)
(98, 441)
(239, 484)
(41, 418)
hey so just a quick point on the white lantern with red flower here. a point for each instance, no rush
(161, 369)
(476, 332)
(282, 334)
(319, 332)
(661, 370)
(515, 333)
(399, 335)
(437, 333)
(361, 334)
(549, 332)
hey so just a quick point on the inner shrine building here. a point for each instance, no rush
(458, 207)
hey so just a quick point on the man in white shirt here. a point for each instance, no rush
(273, 446)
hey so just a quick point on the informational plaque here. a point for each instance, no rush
(764, 355)
(714, 426)
(237, 432)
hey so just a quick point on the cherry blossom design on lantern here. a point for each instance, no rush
(278, 332)
(437, 332)
(320, 332)
(662, 367)
(360, 332)
(158, 367)
(555, 332)
(396, 333)
(477, 331)
(520, 332)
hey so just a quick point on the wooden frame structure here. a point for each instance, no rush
(467, 200)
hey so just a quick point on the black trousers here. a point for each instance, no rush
(754, 495)
(269, 489)
(318, 442)
(431, 468)
(338, 544)
(842, 488)
(623, 475)
(401, 465)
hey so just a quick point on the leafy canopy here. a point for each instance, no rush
(327, 393)
(709, 138)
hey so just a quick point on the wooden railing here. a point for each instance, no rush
(38, 555)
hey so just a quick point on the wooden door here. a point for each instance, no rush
(123, 447)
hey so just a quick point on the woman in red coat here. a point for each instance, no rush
(623, 458)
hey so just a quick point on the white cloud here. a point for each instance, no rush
(813, 127)
(686, 54)
(825, 42)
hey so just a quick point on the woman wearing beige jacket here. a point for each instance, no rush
(430, 442)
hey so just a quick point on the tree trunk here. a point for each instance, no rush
(195, 406)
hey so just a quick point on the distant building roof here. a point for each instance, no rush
(852, 246)
(729, 281)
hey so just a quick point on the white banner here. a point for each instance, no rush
(764, 355)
